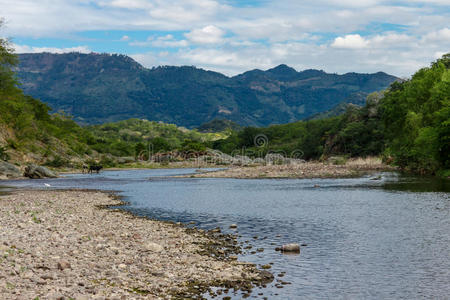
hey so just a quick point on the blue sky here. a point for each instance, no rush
(232, 36)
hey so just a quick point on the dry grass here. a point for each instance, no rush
(352, 168)
(365, 161)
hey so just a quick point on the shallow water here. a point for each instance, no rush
(366, 239)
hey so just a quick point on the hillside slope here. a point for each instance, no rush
(98, 88)
(30, 134)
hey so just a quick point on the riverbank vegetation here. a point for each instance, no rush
(407, 125)
(31, 133)
(416, 118)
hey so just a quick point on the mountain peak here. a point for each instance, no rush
(282, 69)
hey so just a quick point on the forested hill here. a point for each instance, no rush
(98, 88)
(408, 125)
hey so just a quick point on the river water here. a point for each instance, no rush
(364, 238)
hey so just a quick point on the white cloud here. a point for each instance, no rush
(397, 54)
(167, 41)
(233, 39)
(350, 41)
(29, 49)
(128, 4)
(438, 36)
(391, 40)
(207, 35)
(352, 3)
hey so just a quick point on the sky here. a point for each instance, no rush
(233, 36)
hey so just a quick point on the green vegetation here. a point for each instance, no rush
(356, 133)
(219, 125)
(100, 88)
(416, 115)
(25, 124)
(28, 132)
(408, 125)
(338, 110)
(132, 137)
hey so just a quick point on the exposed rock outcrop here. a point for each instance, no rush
(8, 171)
(38, 172)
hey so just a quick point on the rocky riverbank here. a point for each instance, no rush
(351, 168)
(67, 244)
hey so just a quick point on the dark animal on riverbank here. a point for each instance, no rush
(85, 169)
(95, 168)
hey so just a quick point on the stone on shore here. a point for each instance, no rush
(63, 264)
(153, 247)
(8, 171)
(38, 172)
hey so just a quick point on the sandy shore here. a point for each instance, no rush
(56, 244)
(352, 168)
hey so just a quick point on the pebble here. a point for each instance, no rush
(153, 247)
(63, 264)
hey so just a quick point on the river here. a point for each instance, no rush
(363, 238)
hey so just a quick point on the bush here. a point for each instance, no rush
(57, 162)
(3, 154)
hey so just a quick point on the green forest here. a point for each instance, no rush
(408, 125)
(99, 88)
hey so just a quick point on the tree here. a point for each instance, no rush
(416, 116)
(7, 61)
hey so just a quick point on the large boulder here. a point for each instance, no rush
(220, 158)
(242, 160)
(8, 170)
(275, 159)
(259, 161)
(38, 172)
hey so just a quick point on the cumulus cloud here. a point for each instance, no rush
(350, 41)
(438, 36)
(398, 54)
(207, 35)
(336, 35)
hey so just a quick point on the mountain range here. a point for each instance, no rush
(99, 88)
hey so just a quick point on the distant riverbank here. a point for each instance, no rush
(291, 169)
(350, 168)
(65, 244)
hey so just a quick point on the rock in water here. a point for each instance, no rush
(8, 170)
(233, 226)
(38, 172)
(292, 248)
